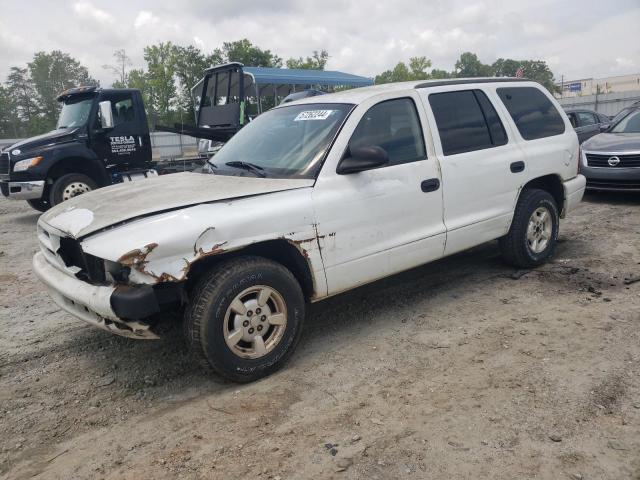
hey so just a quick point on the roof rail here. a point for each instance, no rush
(463, 81)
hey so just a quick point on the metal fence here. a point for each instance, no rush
(607, 103)
(164, 145)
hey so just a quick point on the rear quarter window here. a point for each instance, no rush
(532, 112)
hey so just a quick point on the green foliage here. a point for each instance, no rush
(316, 62)
(417, 70)
(52, 73)
(189, 64)
(245, 52)
(28, 97)
(468, 65)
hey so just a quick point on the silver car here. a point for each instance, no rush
(611, 160)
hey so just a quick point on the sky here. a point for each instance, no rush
(578, 39)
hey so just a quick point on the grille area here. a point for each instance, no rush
(4, 163)
(602, 160)
(66, 255)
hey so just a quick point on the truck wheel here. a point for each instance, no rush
(534, 230)
(245, 318)
(39, 204)
(69, 186)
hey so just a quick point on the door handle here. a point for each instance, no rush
(430, 185)
(517, 167)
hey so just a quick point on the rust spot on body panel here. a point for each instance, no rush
(138, 257)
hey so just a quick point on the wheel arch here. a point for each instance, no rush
(282, 251)
(553, 185)
(75, 164)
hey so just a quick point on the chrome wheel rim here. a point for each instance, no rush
(255, 322)
(74, 189)
(539, 230)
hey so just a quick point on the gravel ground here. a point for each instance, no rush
(463, 368)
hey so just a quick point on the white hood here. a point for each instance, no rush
(108, 206)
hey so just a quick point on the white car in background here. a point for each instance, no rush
(310, 199)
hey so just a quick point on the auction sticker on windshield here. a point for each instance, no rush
(313, 115)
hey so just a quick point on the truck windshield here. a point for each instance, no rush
(75, 112)
(629, 124)
(287, 142)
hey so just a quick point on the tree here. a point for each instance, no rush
(316, 62)
(536, 70)
(9, 121)
(245, 52)
(160, 84)
(52, 73)
(23, 102)
(119, 68)
(417, 70)
(468, 65)
(189, 64)
(440, 74)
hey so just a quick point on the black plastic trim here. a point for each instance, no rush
(133, 303)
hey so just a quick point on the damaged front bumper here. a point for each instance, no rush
(116, 309)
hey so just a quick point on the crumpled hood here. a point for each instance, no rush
(46, 138)
(613, 142)
(108, 206)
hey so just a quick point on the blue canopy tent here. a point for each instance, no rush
(230, 95)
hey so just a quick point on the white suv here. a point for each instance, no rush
(313, 198)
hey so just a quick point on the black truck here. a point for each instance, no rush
(102, 138)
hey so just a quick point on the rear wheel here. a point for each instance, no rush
(39, 204)
(533, 234)
(245, 318)
(69, 186)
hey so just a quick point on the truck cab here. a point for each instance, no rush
(101, 138)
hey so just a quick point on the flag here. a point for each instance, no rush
(520, 72)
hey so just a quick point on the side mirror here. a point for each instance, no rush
(361, 159)
(604, 127)
(106, 115)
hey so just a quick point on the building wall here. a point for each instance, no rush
(591, 86)
(607, 103)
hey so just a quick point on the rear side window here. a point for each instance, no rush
(532, 112)
(394, 126)
(466, 121)
(586, 118)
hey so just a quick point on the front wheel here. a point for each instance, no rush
(533, 235)
(39, 204)
(245, 318)
(69, 186)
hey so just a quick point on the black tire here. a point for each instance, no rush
(204, 317)
(68, 182)
(39, 204)
(514, 246)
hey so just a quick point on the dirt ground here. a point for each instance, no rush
(463, 368)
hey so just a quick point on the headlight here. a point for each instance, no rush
(23, 165)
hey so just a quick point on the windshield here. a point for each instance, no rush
(629, 124)
(287, 142)
(75, 112)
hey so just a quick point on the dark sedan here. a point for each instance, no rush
(587, 123)
(611, 160)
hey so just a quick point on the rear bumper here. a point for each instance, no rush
(95, 304)
(573, 193)
(23, 190)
